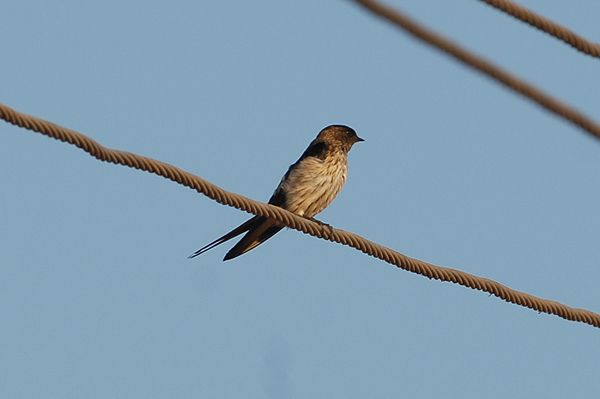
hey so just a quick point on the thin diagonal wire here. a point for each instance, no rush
(296, 222)
(546, 25)
(488, 68)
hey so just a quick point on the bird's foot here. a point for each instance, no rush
(323, 224)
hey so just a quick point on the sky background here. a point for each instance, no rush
(99, 300)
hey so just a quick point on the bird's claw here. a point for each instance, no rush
(322, 224)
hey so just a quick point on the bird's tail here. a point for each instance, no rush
(232, 234)
(259, 233)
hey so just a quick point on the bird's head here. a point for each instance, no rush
(339, 135)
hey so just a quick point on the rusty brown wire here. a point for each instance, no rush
(296, 222)
(488, 68)
(546, 25)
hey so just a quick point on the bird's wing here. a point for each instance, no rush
(259, 229)
(262, 230)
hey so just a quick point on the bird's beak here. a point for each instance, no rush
(359, 139)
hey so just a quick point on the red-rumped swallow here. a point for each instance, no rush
(306, 189)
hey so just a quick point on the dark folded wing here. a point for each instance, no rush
(262, 230)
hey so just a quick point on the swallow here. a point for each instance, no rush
(306, 189)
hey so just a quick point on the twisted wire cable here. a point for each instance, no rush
(481, 64)
(296, 222)
(546, 25)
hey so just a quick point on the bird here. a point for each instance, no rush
(308, 187)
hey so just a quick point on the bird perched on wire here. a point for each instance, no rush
(306, 189)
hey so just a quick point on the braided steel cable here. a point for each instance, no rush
(296, 222)
(546, 25)
(488, 68)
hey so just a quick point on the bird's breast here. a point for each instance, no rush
(313, 184)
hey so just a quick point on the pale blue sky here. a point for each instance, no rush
(99, 300)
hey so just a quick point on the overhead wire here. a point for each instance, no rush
(294, 221)
(479, 63)
(546, 25)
